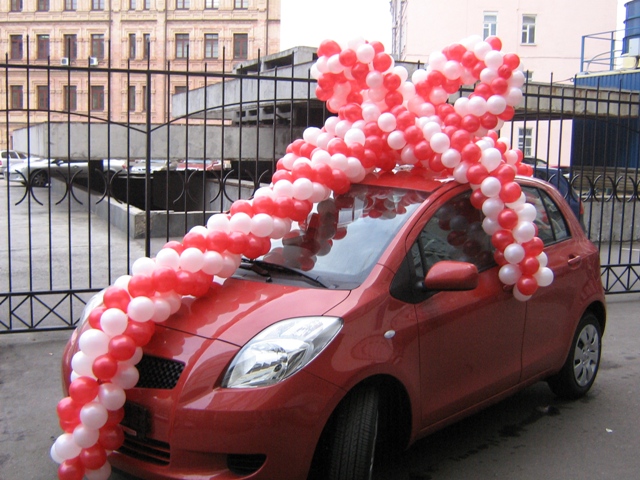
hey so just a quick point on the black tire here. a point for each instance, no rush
(582, 364)
(39, 179)
(352, 445)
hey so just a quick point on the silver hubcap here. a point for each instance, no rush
(586, 355)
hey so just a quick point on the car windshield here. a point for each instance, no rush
(345, 236)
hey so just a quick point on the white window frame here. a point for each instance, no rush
(525, 141)
(490, 24)
(528, 30)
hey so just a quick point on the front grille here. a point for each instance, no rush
(158, 372)
(245, 464)
(146, 449)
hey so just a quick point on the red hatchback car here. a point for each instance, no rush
(378, 321)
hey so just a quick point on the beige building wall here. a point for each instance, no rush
(123, 23)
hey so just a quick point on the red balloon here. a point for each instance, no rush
(498, 256)
(93, 457)
(83, 390)
(282, 175)
(164, 279)
(505, 173)
(115, 416)
(337, 145)
(510, 192)
(294, 147)
(71, 469)
(105, 367)
(94, 317)
(116, 297)
(471, 153)
(489, 120)
(238, 206)
(525, 170)
(435, 78)
(69, 425)
(391, 81)
(405, 119)
(453, 119)
(533, 247)
(111, 437)
(284, 206)
(323, 94)
(217, 241)
(423, 150)
(122, 347)
(328, 48)
(177, 246)
(511, 60)
(495, 42)
(508, 113)
(527, 285)
(460, 138)
(348, 57)
(477, 197)
(455, 52)
(141, 285)
(306, 150)
(360, 71)
(505, 71)
(468, 59)
(413, 135)
(529, 265)
(301, 170)
(141, 332)
(502, 239)
(477, 173)
(499, 86)
(68, 409)
(435, 163)
(393, 98)
(257, 246)
(508, 219)
(339, 183)
(378, 47)
(265, 204)
(470, 123)
(237, 242)
(382, 61)
(195, 240)
(202, 283)
(302, 208)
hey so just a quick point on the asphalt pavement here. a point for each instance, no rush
(532, 435)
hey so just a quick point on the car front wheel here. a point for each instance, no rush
(39, 179)
(581, 367)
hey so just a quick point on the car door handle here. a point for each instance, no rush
(574, 261)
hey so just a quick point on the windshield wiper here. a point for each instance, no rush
(264, 269)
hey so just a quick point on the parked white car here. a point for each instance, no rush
(38, 172)
(12, 156)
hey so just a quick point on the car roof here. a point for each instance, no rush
(410, 178)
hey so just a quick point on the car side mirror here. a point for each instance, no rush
(451, 275)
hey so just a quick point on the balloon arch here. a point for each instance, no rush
(383, 120)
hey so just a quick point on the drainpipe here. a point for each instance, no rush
(266, 41)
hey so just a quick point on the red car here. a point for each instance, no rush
(380, 320)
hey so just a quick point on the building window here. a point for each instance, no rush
(132, 46)
(212, 4)
(144, 98)
(43, 5)
(97, 98)
(97, 4)
(182, 45)
(70, 5)
(182, 4)
(16, 47)
(70, 46)
(211, 45)
(16, 96)
(525, 136)
(16, 5)
(146, 38)
(132, 99)
(490, 27)
(70, 98)
(146, 4)
(528, 76)
(42, 97)
(97, 46)
(241, 4)
(132, 4)
(43, 47)
(528, 29)
(240, 46)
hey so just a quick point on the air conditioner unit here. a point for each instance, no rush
(628, 62)
(93, 61)
(64, 61)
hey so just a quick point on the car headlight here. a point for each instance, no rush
(280, 350)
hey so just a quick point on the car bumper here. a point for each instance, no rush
(198, 430)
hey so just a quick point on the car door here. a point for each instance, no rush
(552, 312)
(470, 341)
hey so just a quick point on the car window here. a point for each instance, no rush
(551, 224)
(453, 233)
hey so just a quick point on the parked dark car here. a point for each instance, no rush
(378, 320)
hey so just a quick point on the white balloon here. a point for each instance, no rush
(191, 259)
(408, 156)
(450, 157)
(419, 75)
(161, 309)
(461, 106)
(123, 280)
(477, 106)
(519, 295)
(339, 161)
(437, 61)
(102, 473)
(262, 223)
(141, 309)
(396, 140)
(452, 70)
(126, 377)
(281, 226)
(481, 49)
(113, 322)
(544, 277)
(387, 122)
(491, 159)
(493, 59)
(365, 53)
(84, 436)
(82, 365)
(229, 265)
(94, 342)
(321, 156)
(514, 96)
(212, 263)
(509, 274)
(490, 226)
(527, 212)
(439, 142)
(168, 257)
(334, 64)
(93, 415)
(219, 222)
(514, 253)
(370, 112)
(438, 96)
(542, 259)
(523, 232)
(54, 454)
(517, 79)
(66, 447)
(354, 136)
(342, 127)
(374, 79)
(310, 135)
(491, 207)
(302, 190)
(490, 187)
(496, 104)
(408, 91)
(143, 266)
(401, 72)
(112, 396)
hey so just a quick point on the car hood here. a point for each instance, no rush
(239, 309)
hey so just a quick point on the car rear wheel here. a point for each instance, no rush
(352, 445)
(581, 367)
(39, 179)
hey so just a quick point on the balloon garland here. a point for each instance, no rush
(383, 120)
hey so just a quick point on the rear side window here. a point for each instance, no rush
(552, 226)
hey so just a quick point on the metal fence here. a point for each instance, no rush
(119, 162)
